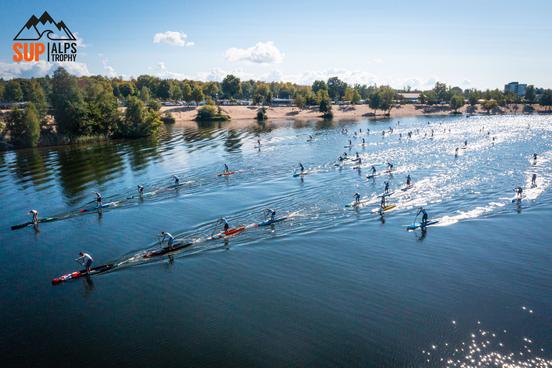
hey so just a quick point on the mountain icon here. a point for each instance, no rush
(36, 28)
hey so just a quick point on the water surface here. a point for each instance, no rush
(330, 286)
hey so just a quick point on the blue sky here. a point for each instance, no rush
(481, 44)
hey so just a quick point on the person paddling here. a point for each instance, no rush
(140, 190)
(34, 213)
(519, 192)
(225, 224)
(270, 214)
(373, 169)
(425, 217)
(168, 237)
(98, 199)
(176, 180)
(389, 166)
(357, 198)
(226, 169)
(301, 168)
(86, 260)
(383, 204)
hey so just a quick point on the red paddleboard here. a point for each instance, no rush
(227, 173)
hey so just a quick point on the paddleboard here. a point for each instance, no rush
(417, 225)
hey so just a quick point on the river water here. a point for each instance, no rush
(329, 286)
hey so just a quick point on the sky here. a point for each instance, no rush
(471, 44)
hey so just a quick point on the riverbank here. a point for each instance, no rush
(182, 113)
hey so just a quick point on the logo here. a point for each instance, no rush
(53, 40)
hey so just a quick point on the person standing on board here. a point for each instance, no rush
(386, 190)
(373, 170)
(408, 180)
(226, 225)
(35, 216)
(98, 199)
(226, 169)
(169, 237)
(383, 204)
(534, 181)
(534, 158)
(357, 198)
(456, 152)
(301, 168)
(270, 214)
(424, 215)
(86, 260)
(389, 166)
(176, 180)
(140, 190)
(519, 192)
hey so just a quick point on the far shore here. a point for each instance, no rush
(341, 112)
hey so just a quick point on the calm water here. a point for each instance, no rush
(331, 286)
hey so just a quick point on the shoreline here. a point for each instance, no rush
(244, 116)
(343, 112)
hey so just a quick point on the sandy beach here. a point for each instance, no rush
(182, 114)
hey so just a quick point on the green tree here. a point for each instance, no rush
(166, 89)
(356, 97)
(138, 121)
(145, 94)
(348, 95)
(336, 88)
(13, 91)
(127, 89)
(325, 102)
(546, 99)
(441, 92)
(197, 94)
(211, 89)
(387, 96)
(318, 85)
(489, 105)
(299, 101)
(186, 92)
(68, 104)
(38, 98)
(456, 102)
(102, 114)
(530, 94)
(24, 126)
(374, 102)
(231, 86)
(473, 97)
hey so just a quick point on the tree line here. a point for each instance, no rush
(71, 107)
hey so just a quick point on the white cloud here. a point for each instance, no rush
(161, 71)
(110, 71)
(349, 76)
(261, 53)
(80, 41)
(172, 38)
(40, 69)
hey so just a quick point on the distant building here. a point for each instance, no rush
(409, 97)
(282, 102)
(515, 87)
